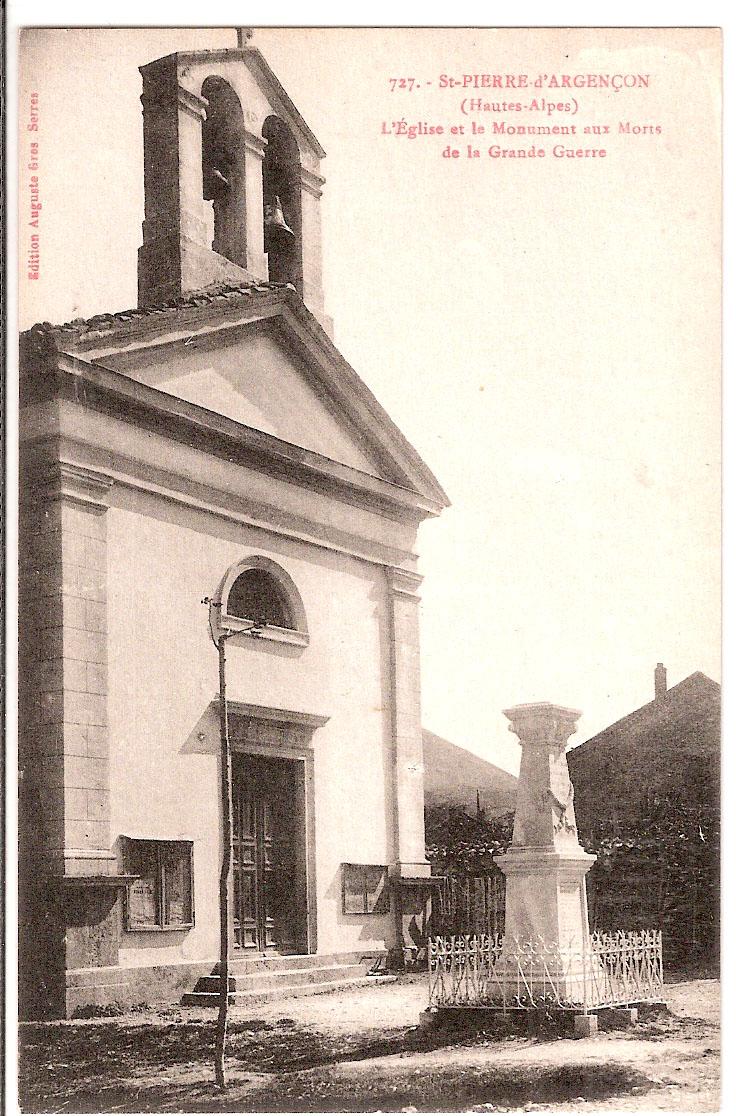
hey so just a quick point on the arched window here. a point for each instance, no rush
(282, 206)
(257, 595)
(223, 168)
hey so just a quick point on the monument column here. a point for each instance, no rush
(545, 866)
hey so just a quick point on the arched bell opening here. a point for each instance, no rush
(282, 206)
(223, 168)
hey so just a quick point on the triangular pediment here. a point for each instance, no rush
(263, 362)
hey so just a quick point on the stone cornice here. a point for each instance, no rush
(133, 400)
(309, 721)
(404, 582)
(113, 881)
(311, 182)
(255, 144)
(83, 486)
(218, 323)
(224, 501)
(530, 860)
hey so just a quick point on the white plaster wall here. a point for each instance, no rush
(162, 560)
(254, 382)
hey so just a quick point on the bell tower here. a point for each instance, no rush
(232, 179)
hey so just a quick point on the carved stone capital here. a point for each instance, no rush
(74, 482)
(255, 145)
(404, 582)
(543, 725)
(311, 182)
(191, 103)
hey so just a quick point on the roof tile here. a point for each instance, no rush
(216, 292)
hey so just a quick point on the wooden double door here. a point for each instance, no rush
(268, 893)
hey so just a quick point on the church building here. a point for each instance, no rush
(208, 463)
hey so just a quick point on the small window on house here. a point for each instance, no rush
(162, 896)
(364, 889)
(256, 595)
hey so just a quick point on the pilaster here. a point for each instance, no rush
(410, 858)
(254, 148)
(64, 754)
(310, 185)
(159, 257)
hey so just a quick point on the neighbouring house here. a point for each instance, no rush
(670, 746)
(456, 777)
(647, 801)
(212, 445)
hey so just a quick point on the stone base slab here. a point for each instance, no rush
(619, 1018)
(586, 1026)
(411, 870)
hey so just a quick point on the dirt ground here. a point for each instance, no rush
(362, 1051)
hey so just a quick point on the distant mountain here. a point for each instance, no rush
(455, 776)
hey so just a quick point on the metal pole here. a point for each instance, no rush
(226, 773)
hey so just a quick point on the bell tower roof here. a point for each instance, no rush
(270, 85)
(232, 179)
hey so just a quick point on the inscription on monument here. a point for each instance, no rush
(571, 935)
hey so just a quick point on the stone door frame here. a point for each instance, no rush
(258, 730)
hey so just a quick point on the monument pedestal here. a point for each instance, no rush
(546, 896)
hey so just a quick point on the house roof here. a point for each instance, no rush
(677, 700)
(214, 315)
(454, 775)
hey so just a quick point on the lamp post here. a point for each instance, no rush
(226, 794)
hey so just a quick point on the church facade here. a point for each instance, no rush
(209, 463)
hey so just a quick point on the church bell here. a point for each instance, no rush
(274, 220)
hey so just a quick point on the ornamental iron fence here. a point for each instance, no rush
(487, 971)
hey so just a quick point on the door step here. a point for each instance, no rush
(254, 982)
(242, 965)
(259, 979)
(264, 995)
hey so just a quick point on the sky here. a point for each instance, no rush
(544, 331)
